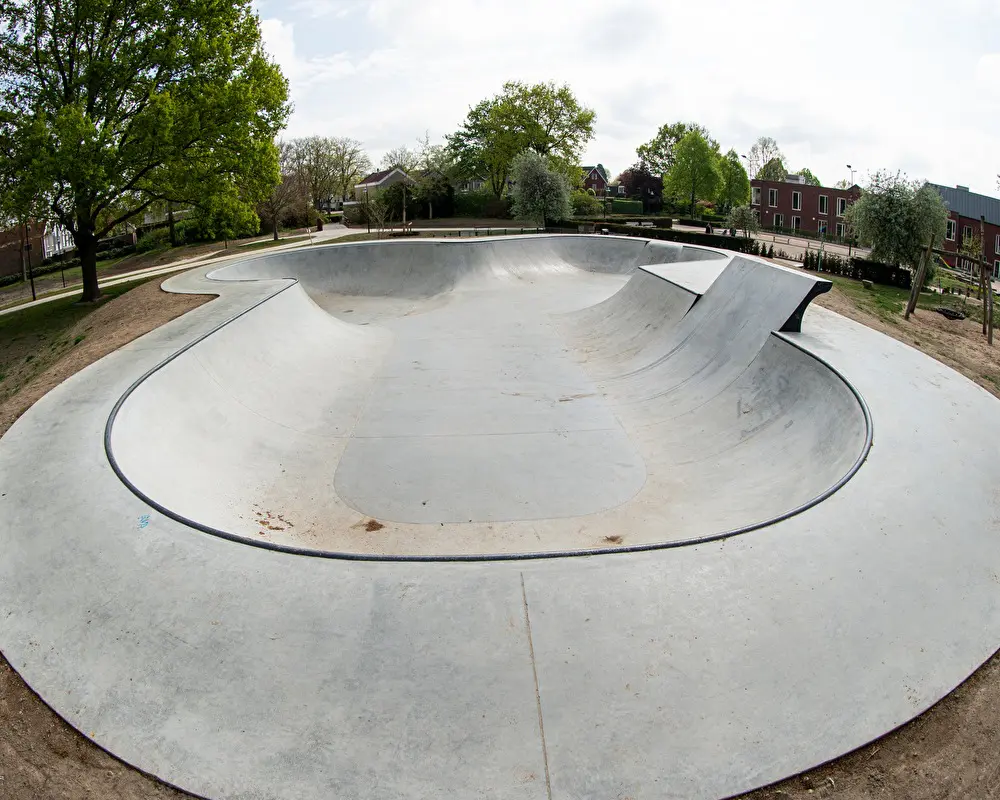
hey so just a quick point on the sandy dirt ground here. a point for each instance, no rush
(949, 752)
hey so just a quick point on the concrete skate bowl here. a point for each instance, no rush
(502, 398)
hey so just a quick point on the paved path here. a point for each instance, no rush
(692, 671)
(330, 232)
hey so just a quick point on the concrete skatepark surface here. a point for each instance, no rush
(594, 400)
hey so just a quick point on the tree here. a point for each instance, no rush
(811, 179)
(744, 218)
(734, 186)
(291, 195)
(350, 165)
(641, 184)
(897, 218)
(403, 157)
(543, 118)
(695, 172)
(540, 192)
(763, 151)
(773, 170)
(108, 108)
(552, 122)
(843, 183)
(658, 152)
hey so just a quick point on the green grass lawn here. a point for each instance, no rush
(33, 338)
(889, 302)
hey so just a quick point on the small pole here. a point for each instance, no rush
(27, 249)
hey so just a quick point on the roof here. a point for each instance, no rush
(600, 171)
(969, 204)
(378, 177)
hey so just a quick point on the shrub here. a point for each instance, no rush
(740, 245)
(626, 206)
(153, 240)
(481, 204)
(585, 203)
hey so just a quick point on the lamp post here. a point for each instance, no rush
(605, 203)
(27, 249)
(852, 175)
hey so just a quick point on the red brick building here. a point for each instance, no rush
(965, 210)
(793, 205)
(11, 244)
(596, 178)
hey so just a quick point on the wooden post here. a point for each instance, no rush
(987, 281)
(982, 268)
(918, 280)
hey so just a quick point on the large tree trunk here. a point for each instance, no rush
(86, 247)
(274, 224)
(692, 199)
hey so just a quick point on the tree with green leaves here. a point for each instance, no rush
(744, 218)
(695, 172)
(763, 152)
(658, 152)
(108, 107)
(544, 118)
(773, 170)
(897, 218)
(811, 179)
(734, 184)
(541, 193)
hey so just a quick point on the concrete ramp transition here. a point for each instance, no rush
(520, 396)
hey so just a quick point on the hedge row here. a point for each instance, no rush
(626, 206)
(859, 269)
(737, 243)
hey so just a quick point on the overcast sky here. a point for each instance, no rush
(891, 84)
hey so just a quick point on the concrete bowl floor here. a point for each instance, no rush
(573, 430)
(448, 401)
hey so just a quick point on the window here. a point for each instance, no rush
(841, 206)
(779, 220)
(949, 232)
(996, 247)
(996, 268)
(755, 197)
(821, 226)
(824, 203)
(840, 230)
(772, 197)
(797, 203)
(796, 223)
(966, 232)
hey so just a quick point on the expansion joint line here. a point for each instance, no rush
(538, 694)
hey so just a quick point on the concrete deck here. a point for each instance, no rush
(548, 419)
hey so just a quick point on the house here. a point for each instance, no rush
(470, 185)
(596, 178)
(47, 240)
(965, 211)
(378, 181)
(794, 205)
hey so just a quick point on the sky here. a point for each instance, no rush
(905, 85)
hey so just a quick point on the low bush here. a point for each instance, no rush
(737, 243)
(481, 204)
(153, 240)
(626, 206)
(859, 269)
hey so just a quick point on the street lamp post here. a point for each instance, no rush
(27, 249)
(852, 175)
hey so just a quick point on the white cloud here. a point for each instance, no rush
(831, 88)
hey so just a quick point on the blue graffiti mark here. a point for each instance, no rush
(143, 521)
